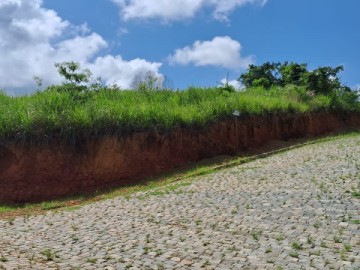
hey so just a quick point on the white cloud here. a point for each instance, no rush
(356, 87)
(236, 84)
(34, 38)
(121, 72)
(221, 52)
(175, 10)
(166, 9)
(224, 7)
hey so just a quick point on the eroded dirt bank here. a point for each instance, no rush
(29, 172)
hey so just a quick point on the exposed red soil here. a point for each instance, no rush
(30, 172)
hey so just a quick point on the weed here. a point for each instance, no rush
(248, 206)
(317, 224)
(51, 205)
(49, 254)
(323, 244)
(205, 264)
(347, 247)
(343, 256)
(355, 221)
(356, 194)
(316, 253)
(294, 254)
(91, 260)
(280, 237)
(255, 234)
(296, 246)
(4, 208)
(309, 240)
(337, 239)
(146, 250)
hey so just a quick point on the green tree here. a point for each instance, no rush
(265, 75)
(75, 78)
(71, 72)
(293, 73)
(323, 80)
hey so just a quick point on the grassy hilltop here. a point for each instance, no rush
(72, 109)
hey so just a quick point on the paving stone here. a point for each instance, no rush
(287, 210)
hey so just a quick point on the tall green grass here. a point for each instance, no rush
(64, 114)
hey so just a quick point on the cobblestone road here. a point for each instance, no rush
(295, 210)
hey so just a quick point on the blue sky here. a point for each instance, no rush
(191, 42)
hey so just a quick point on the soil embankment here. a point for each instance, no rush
(32, 172)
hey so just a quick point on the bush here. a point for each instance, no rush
(343, 100)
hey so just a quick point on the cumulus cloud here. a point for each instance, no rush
(175, 10)
(236, 84)
(33, 38)
(220, 51)
(121, 72)
(165, 9)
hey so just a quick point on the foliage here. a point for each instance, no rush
(75, 79)
(71, 72)
(260, 76)
(344, 100)
(292, 73)
(322, 80)
(53, 113)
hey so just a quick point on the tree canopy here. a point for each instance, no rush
(322, 80)
(71, 72)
